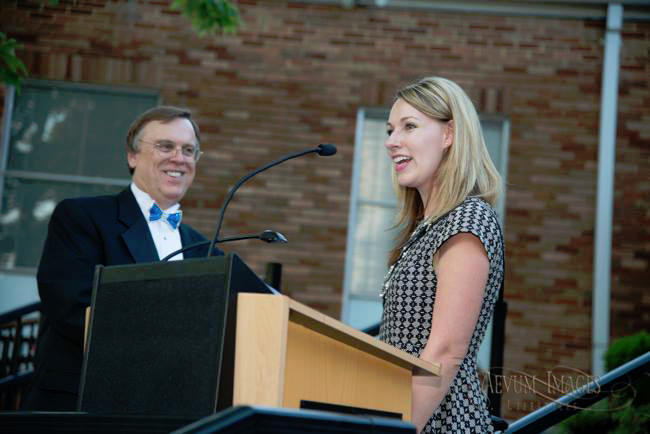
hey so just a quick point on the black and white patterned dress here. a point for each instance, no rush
(409, 294)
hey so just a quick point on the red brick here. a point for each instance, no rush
(295, 76)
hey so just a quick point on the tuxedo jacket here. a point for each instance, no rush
(83, 232)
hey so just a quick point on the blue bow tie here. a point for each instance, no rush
(174, 219)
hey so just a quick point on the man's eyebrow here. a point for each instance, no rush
(173, 142)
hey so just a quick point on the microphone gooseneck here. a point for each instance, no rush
(268, 236)
(324, 150)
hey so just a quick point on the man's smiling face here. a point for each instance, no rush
(165, 178)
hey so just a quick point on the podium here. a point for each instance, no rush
(289, 355)
(190, 338)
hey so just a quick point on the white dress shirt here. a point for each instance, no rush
(164, 237)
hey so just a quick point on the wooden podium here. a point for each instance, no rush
(198, 336)
(287, 354)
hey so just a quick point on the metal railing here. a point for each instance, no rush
(581, 398)
(18, 331)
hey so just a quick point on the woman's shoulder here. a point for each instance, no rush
(473, 214)
(471, 206)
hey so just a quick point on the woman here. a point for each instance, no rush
(447, 266)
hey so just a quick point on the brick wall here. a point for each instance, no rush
(631, 232)
(295, 75)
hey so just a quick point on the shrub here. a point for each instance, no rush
(627, 411)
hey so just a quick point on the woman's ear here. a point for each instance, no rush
(449, 134)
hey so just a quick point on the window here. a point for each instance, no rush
(373, 206)
(372, 210)
(59, 140)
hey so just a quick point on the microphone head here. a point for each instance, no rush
(325, 150)
(272, 237)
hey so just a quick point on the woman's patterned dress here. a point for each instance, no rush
(409, 294)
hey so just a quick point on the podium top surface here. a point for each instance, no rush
(328, 326)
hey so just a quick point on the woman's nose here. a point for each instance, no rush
(391, 142)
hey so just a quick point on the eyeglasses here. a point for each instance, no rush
(168, 149)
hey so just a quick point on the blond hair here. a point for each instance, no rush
(466, 169)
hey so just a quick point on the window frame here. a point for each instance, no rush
(362, 114)
(7, 119)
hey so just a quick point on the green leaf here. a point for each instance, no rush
(12, 69)
(209, 16)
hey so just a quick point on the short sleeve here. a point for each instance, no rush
(477, 217)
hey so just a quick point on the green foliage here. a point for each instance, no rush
(621, 351)
(208, 16)
(626, 348)
(627, 411)
(50, 3)
(12, 69)
(595, 419)
(632, 420)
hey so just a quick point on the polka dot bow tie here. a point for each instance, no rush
(174, 219)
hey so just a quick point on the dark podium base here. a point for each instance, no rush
(270, 420)
(240, 420)
(33, 422)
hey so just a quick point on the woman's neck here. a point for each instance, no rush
(428, 198)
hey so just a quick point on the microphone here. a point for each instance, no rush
(324, 150)
(268, 236)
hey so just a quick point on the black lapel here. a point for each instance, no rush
(187, 238)
(137, 237)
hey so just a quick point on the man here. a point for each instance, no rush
(140, 224)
